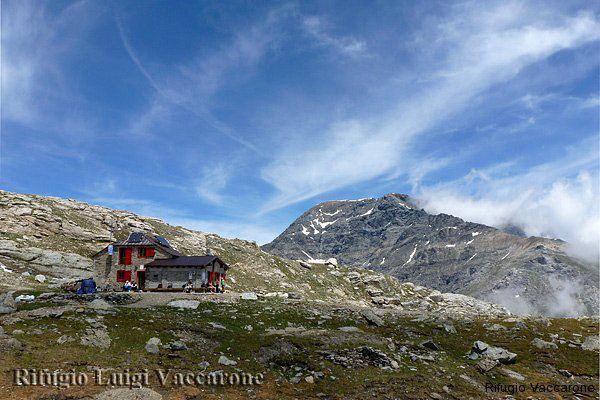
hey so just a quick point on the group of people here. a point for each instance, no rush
(218, 286)
(131, 287)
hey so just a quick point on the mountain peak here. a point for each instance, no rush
(393, 235)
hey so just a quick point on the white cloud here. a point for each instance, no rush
(214, 179)
(316, 28)
(560, 199)
(475, 50)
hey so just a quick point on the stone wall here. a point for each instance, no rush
(106, 266)
(177, 277)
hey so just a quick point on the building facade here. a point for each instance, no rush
(151, 263)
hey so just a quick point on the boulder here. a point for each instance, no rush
(8, 343)
(353, 276)
(176, 345)
(481, 349)
(7, 300)
(371, 318)
(152, 345)
(24, 298)
(449, 328)
(332, 261)
(7, 310)
(591, 343)
(542, 344)
(304, 264)
(486, 364)
(494, 327)
(294, 296)
(40, 278)
(64, 339)
(96, 338)
(249, 296)
(226, 361)
(429, 344)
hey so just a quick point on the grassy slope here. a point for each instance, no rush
(130, 328)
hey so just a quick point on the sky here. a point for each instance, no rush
(236, 117)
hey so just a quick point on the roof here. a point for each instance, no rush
(185, 261)
(142, 239)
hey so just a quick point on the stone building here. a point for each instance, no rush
(153, 264)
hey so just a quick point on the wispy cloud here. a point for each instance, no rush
(317, 28)
(213, 180)
(192, 86)
(34, 85)
(475, 48)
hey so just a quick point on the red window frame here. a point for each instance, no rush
(145, 252)
(123, 275)
(125, 255)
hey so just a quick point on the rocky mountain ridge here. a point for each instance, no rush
(56, 237)
(394, 235)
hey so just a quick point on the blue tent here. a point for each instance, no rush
(88, 286)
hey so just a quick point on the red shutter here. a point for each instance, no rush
(128, 257)
(150, 252)
(127, 275)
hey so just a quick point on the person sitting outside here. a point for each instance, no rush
(127, 286)
(188, 287)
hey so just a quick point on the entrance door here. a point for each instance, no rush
(140, 277)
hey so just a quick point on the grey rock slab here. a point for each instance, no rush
(349, 329)
(96, 338)
(486, 364)
(591, 343)
(188, 304)
(249, 296)
(100, 304)
(371, 317)
(512, 374)
(542, 344)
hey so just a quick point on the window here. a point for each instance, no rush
(145, 252)
(123, 275)
(125, 255)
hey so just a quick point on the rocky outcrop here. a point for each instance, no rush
(394, 235)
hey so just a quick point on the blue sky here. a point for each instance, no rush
(234, 118)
